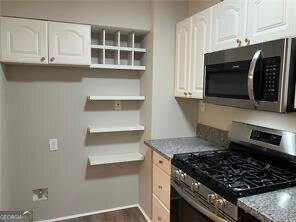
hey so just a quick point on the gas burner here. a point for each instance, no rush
(239, 173)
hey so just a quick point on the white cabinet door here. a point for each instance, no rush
(270, 19)
(183, 50)
(229, 24)
(69, 43)
(200, 44)
(23, 40)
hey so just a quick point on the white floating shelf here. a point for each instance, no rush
(118, 158)
(108, 98)
(111, 66)
(115, 129)
(109, 47)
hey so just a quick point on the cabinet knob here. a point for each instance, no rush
(42, 59)
(160, 162)
(52, 59)
(159, 218)
(248, 41)
(189, 93)
(239, 42)
(185, 93)
(160, 187)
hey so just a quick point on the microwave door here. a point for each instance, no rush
(227, 80)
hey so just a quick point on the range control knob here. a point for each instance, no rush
(183, 176)
(178, 174)
(212, 198)
(195, 186)
(221, 203)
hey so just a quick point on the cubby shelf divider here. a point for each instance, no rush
(117, 51)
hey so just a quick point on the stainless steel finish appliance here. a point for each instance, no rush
(260, 76)
(205, 185)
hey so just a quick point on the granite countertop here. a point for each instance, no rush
(169, 147)
(276, 206)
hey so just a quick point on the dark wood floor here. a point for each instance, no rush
(126, 215)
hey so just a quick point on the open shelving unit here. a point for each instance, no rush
(123, 49)
(117, 50)
(110, 98)
(115, 158)
(92, 130)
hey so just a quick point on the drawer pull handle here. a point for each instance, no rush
(160, 162)
(159, 218)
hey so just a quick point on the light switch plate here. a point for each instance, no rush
(53, 144)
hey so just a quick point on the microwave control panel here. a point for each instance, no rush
(271, 78)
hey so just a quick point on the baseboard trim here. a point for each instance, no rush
(94, 212)
(144, 213)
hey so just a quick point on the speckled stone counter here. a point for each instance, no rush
(276, 206)
(169, 147)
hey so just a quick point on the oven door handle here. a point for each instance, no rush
(198, 207)
(251, 73)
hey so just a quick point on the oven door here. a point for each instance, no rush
(187, 208)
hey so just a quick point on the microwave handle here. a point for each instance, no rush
(251, 72)
(197, 206)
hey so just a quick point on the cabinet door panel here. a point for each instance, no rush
(23, 40)
(159, 211)
(69, 43)
(183, 35)
(229, 24)
(270, 20)
(161, 185)
(200, 45)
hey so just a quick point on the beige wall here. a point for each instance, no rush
(132, 14)
(50, 102)
(195, 6)
(222, 116)
(169, 117)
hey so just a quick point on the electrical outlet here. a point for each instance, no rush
(40, 194)
(53, 144)
(117, 105)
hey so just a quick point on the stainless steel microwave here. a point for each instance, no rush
(260, 76)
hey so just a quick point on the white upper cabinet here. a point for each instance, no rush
(270, 19)
(183, 50)
(229, 24)
(200, 44)
(23, 40)
(69, 43)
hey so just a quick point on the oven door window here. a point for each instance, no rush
(228, 80)
(181, 211)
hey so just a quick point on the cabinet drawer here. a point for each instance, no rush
(161, 185)
(162, 163)
(159, 211)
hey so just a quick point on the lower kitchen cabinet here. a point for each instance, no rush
(161, 189)
(159, 212)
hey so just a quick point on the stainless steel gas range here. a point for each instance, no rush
(205, 186)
